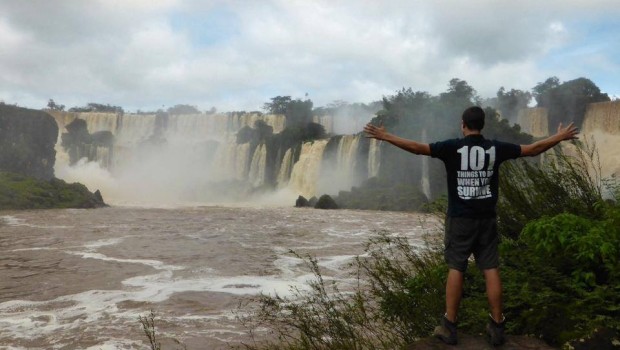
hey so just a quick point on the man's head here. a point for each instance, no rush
(473, 118)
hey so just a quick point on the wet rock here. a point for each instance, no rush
(326, 202)
(27, 139)
(301, 202)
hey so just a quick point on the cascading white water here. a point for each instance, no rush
(285, 169)
(425, 180)
(258, 167)
(374, 158)
(347, 154)
(534, 121)
(305, 173)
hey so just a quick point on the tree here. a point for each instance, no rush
(510, 103)
(98, 107)
(298, 112)
(183, 109)
(278, 105)
(567, 102)
(54, 107)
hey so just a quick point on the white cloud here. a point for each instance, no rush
(144, 54)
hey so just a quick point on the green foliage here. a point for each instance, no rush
(561, 183)
(54, 106)
(22, 192)
(586, 249)
(562, 277)
(98, 107)
(509, 103)
(298, 112)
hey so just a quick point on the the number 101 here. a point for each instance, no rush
(473, 159)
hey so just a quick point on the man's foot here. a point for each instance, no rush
(496, 331)
(446, 332)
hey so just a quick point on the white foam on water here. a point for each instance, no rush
(156, 264)
(32, 249)
(30, 320)
(336, 262)
(117, 344)
(104, 242)
(15, 221)
(288, 265)
(12, 220)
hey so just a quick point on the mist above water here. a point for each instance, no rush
(195, 159)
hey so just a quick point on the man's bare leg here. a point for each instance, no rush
(454, 292)
(494, 293)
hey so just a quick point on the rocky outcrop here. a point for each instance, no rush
(326, 202)
(79, 143)
(27, 139)
(24, 192)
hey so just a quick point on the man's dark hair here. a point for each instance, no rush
(473, 118)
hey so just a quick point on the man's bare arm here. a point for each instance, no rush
(379, 133)
(568, 133)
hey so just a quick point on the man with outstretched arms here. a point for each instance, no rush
(472, 165)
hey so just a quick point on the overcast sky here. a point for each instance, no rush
(236, 55)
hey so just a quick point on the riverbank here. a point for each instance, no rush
(24, 192)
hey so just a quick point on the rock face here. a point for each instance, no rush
(27, 139)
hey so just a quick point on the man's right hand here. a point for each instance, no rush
(568, 133)
(375, 132)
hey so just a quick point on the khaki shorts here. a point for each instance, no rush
(466, 236)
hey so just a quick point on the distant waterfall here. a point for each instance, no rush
(347, 154)
(534, 121)
(602, 117)
(425, 181)
(305, 174)
(231, 161)
(285, 169)
(326, 120)
(258, 166)
(374, 158)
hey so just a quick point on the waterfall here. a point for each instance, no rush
(601, 128)
(425, 181)
(347, 154)
(374, 158)
(258, 166)
(602, 116)
(231, 161)
(285, 169)
(326, 120)
(534, 121)
(99, 121)
(305, 173)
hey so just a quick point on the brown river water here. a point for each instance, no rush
(79, 279)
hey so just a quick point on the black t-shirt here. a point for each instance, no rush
(472, 165)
